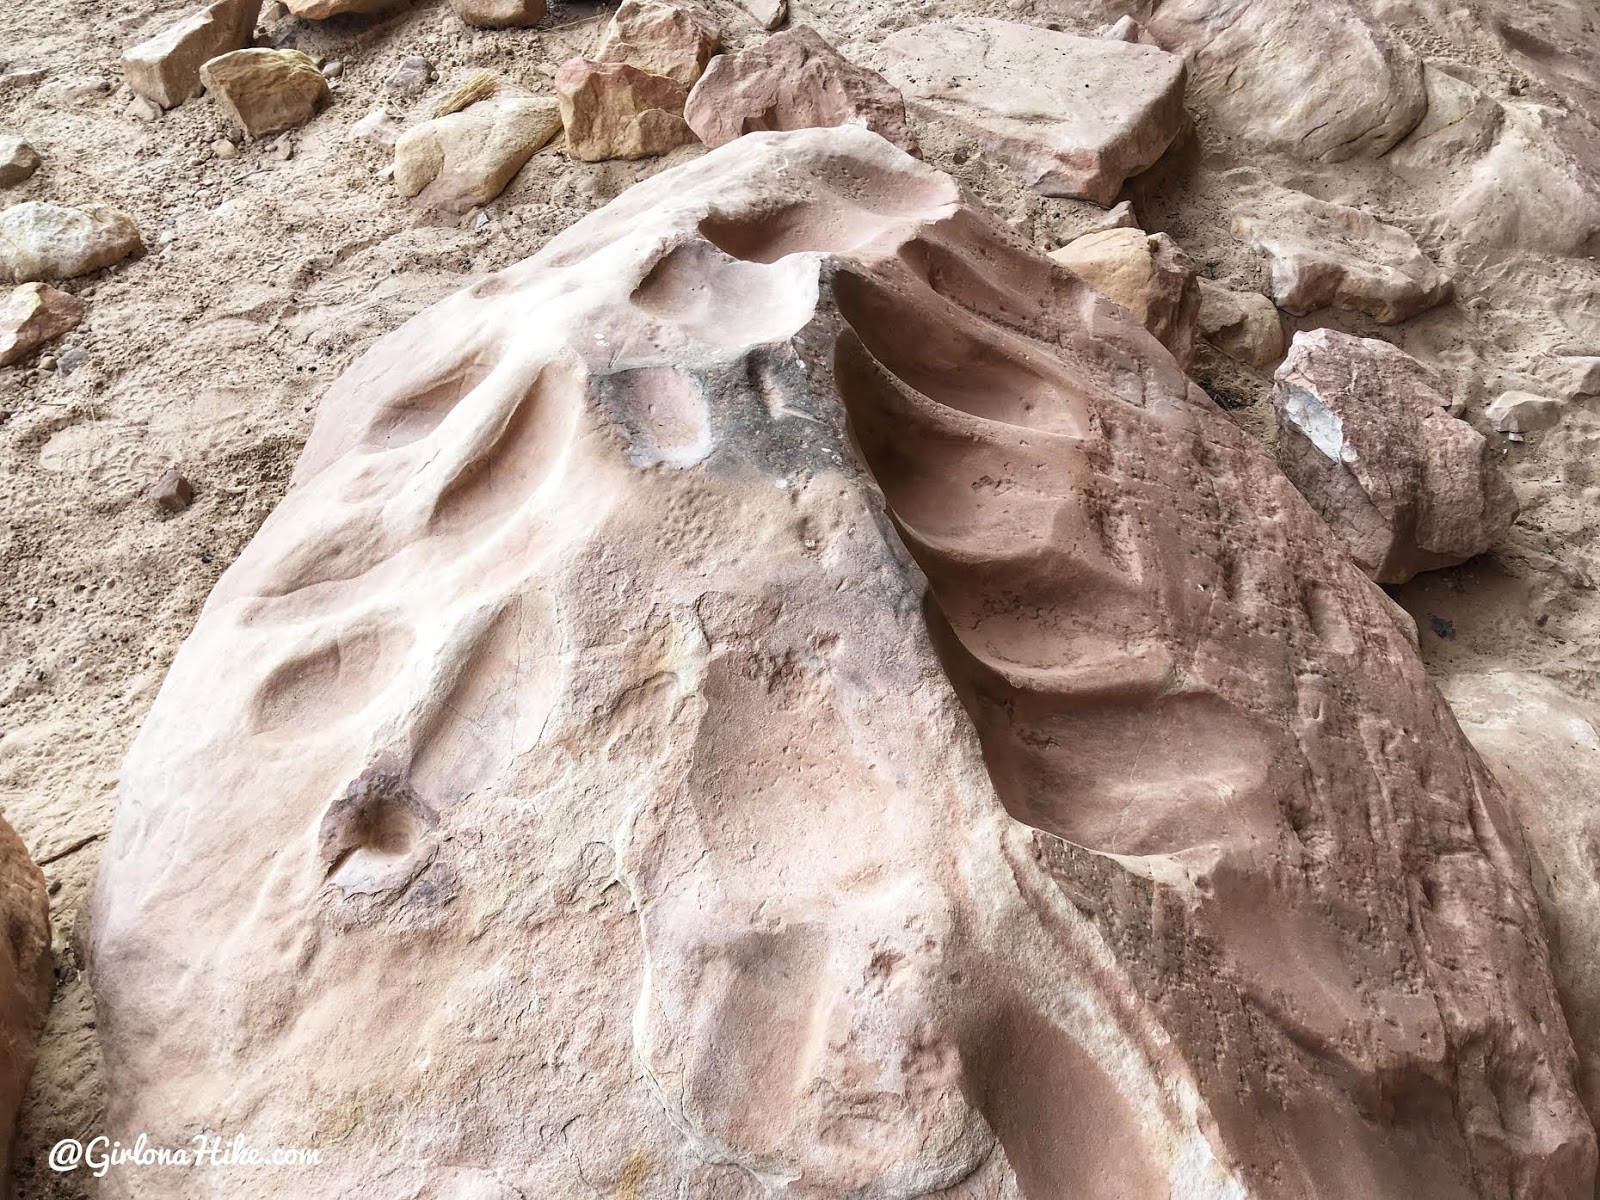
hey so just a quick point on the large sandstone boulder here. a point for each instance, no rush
(751, 700)
(1148, 274)
(793, 80)
(1074, 116)
(675, 38)
(1365, 433)
(53, 241)
(467, 158)
(1544, 747)
(1325, 255)
(26, 978)
(166, 67)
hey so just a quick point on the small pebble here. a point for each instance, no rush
(333, 70)
(47, 362)
(223, 148)
(172, 493)
(71, 359)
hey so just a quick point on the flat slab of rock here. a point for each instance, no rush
(499, 14)
(1148, 274)
(165, 69)
(32, 315)
(18, 160)
(612, 110)
(869, 721)
(457, 162)
(266, 91)
(1074, 116)
(1326, 255)
(793, 80)
(665, 37)
(1365, 434)
(1245, 326)
(40, 241)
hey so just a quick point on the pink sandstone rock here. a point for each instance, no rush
(166, 67)
(1148, 274)
(664, 37)
(1365, 434)
(26, 978)
(793, 80)
(1074, 116)
(788, 690)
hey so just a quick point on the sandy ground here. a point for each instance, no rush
(267, 274)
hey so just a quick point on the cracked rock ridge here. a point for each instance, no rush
(789, 691)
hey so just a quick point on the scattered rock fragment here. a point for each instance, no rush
(410, 77)
(223, 148)
(1148, 274)
(1119, 216)
(768, 14)
(18, 160)
(1523, 412)
(142, 110)
(612, 110)
(1126, 29)
(321, 10)
(266, 91)
(1074, 116)
(166, 68)
(32, 315)
(793, 80)
(1326, 255)
(51, 241)
(664, 37)
(1245, 326)
(466, 159)
(1365, 434)
(499, 14)
(377, 127)
(172, 493)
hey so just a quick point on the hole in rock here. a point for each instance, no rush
(374, 837)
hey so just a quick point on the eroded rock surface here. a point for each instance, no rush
(266, 91)
(166, 68)
(665, 37)
(1148, 274)
(1074, 116)
(613, 110)
(810, 818)
(468, 158)
(40, 241)
(793, 80)
(1365, 434)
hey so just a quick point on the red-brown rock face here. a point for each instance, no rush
(789, 692)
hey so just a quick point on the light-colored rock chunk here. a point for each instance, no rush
(1074, 116)
(793, 80)
(752, 684)
(1523, 412)
(18, 160)
(32, 315)
(1326, 255)
(1245, 326)
(266, 91)
(675, 38)
(1148, 274)
(500, 14)
(612, 110)
(40, 241)
(165, 69)
(321, 10)
(456, 162)
(1365, 434)
(769, 14)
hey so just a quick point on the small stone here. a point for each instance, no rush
(1119, 216)
(47, 362)
(22, 77)
(32, 315)
(18, 160)
(1326, 255)
(166, 69)
(377, 127)
(664, 37)
(793, 80)
(1127, 29)
(72, 357)
(1243, 325)
(266, 91)
(140, 109)
(223, 148)
(498, 14)
(466, 159)
(51, 241)
(172, 493)
(768, 14)
(410, 77)
(1074, 116)
(321, 10)
(1523, 412)
(1148, 274)
(612, 110)
(1365, 435)
(332, 70)
(283, 149)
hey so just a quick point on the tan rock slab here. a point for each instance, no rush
(1365, 434)
(664, 37)
(266, 91)
(1245, 326)
(40, 241)
(1074, 116)
(1148, 274)
(32, 315)
(612, 110)
(793, 80)
(165, 69)
(499, 14)
(459, 161)
(1326, 255)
